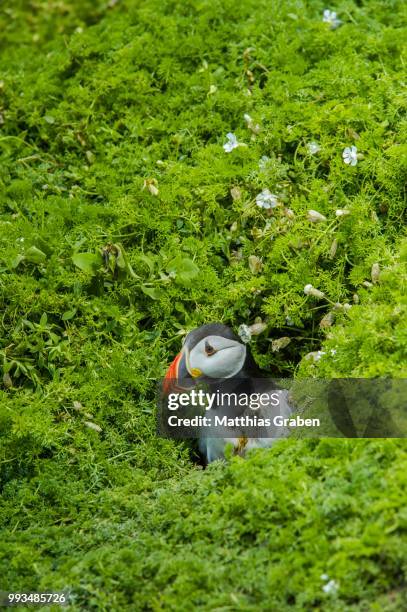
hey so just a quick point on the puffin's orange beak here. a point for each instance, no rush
(179, 377)
(171, 376)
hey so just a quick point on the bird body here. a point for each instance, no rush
(213, 357)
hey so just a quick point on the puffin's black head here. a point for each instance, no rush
(210, 351)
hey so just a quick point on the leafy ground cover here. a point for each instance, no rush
(125, 222)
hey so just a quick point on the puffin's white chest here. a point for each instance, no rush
(214, 448)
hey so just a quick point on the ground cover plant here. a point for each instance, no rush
(164, 165)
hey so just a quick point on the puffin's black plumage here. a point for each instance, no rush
(210, 329)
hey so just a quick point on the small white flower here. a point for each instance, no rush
(289, 321)
(254, 127)
(244, 333)
(153, 189)
(333, 351)
(236, 193)
(255, 264)
(310, 290)
(263, 162)
(231, 143)
(315, 217)
(331, 587)
(350, 155)
(342, 212)
(257, 328)
(280, 343)
(324, 577)
(287, 212)
(374, 273)
(267, 200)
(327, 320)
(331, 18)
(333, 248)
(313, 148)
(151, 185)
(93, 426)
(315, 356)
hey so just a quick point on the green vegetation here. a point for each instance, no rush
(258, 534)
(124, 223)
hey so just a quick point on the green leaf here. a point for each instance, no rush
(42, 244)
(120, 260)
(152, 292)
(148, 261)
(69, 314)
(35, 255)
(111, 262)
(185, 270)
(17, 260)
(88, 262)
(130, 270)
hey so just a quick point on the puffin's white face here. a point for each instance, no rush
(216, 357)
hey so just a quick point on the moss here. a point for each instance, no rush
(258, 532)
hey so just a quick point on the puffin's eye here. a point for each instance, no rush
(209, 350)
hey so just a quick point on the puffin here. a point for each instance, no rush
(214, 356)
